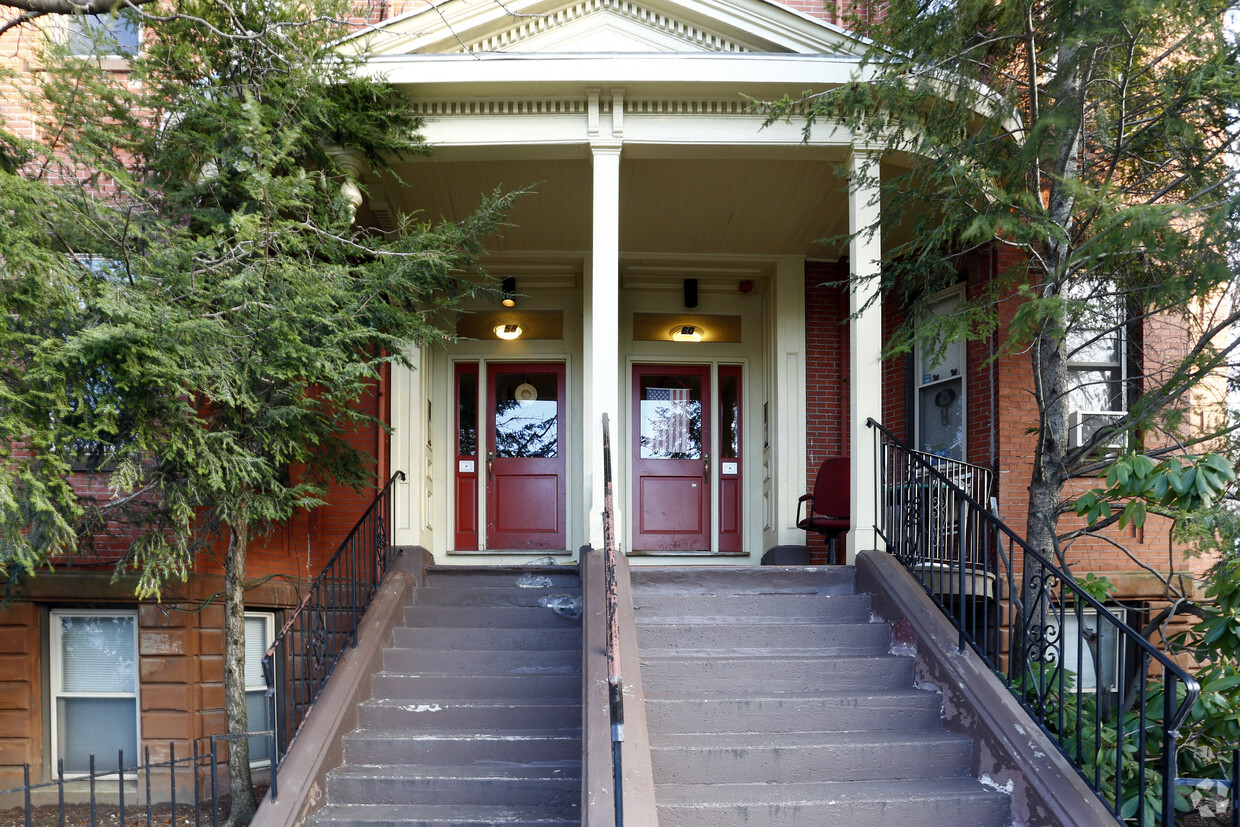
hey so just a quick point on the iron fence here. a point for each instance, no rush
(148, 788)
(1110, 700)
(304, 654)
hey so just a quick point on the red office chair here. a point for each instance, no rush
(827, 513)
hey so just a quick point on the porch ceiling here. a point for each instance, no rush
(690, 207)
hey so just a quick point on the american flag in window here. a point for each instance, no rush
(671, 424)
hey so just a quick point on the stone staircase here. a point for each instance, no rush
(771, 699)
(475, 718)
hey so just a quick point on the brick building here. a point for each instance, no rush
(667, 271)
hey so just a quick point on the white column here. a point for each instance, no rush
(602, 332)
(786, 430)
(865, 348)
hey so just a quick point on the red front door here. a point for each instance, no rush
(671, 439)
(525, 457)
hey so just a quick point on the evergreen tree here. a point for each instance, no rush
(187, 304)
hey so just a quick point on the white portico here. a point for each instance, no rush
(658, 202)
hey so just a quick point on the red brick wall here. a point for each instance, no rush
(1000, 410)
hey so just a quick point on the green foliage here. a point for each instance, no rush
(187, 305)
(213, 351)
(1096, 586)
(1176, 485)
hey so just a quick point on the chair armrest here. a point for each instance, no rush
(809, 512)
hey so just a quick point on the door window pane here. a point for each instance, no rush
(671, 417)
(467, 411)
(730, 412)
(526, 415)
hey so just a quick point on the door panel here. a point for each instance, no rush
(525, 457)
(671, 460)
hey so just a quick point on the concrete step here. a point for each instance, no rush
(665, 607)
(475, 746)
(935, 802)
(496, 716)
(732, 675)
(404, 686)
(459, 815)
(454, 662)
(908, 709)
(503, 617)
(470, 638)
(739, 758)
(556, 785)
(502, 576)
(800, 638)
(484, 596)
(743, 580)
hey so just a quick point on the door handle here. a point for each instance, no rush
(490, 465)
(706, 467)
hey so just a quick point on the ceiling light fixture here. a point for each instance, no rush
(508, 291)
(686, 333)
(508, 331)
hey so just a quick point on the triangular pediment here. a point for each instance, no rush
(607, 27)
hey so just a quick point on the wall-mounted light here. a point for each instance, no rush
(508, 331)
(508, 291)
(686, 333)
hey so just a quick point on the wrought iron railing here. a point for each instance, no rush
(146, 792)
(1109, 699)
(314, 637)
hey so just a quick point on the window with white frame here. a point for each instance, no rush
(259, 632)
(1096, 347)
(117, 34)
(940, 388)
(94, 689)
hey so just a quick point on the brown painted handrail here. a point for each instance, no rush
(615, 682)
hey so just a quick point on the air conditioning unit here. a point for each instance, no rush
(1082, 425)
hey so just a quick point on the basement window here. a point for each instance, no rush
(94, 689)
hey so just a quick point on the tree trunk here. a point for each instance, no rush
(1049, 457)
(240, 785)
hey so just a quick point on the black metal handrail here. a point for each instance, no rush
(1110, 700)
(314, 637)
(615, 681)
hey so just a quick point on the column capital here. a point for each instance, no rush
(605, 147)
